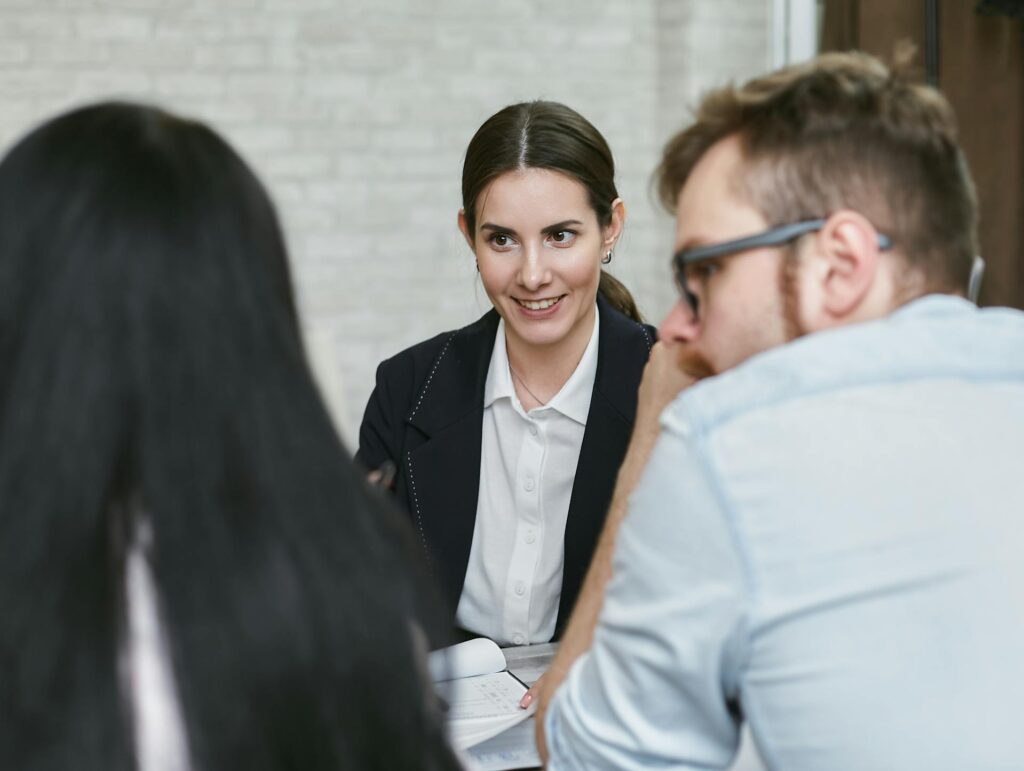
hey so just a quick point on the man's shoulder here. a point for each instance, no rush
(937, 336)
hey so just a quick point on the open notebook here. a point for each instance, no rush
(482, 698)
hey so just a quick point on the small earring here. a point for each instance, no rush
(607, 257)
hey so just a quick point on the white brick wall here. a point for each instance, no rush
(356, 114)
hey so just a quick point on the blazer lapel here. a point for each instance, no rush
(443, 468)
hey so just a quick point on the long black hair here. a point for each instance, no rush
(151, 363)
(546, 135)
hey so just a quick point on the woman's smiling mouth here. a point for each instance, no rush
(539, 305)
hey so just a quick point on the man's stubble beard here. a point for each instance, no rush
(694, 363)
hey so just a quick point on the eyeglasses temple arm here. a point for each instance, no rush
(773, 237)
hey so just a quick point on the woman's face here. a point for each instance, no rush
(538, 246)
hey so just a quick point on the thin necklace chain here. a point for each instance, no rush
(522, 382)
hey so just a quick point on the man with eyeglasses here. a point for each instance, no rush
(827, 539)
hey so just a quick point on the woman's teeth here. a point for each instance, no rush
(539, 305)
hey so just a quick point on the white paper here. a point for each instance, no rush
(482, 707)
(468, 659)
(514, 748)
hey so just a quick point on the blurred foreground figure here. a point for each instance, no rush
(191, 574)
(826, 539)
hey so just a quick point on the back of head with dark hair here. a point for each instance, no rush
(546, 135)
(845, 131)
(151, 369)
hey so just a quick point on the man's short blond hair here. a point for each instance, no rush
(844, 131)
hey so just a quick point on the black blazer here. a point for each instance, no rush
(426, 416)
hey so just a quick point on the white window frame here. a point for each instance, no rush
(794, 31)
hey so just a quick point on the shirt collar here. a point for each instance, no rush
(499, 378)
(572, 400)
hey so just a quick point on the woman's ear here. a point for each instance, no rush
(614, 228)
(464, 228)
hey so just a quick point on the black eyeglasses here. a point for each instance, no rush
(777, 236)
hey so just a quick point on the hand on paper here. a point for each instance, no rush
(530, 695)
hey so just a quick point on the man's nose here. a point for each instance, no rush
(680, 325)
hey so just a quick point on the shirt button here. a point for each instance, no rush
(533, 431)
(529, 484)
(530, 538)
(520, 588)
(518, 639)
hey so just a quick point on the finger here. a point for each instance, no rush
(530, 695)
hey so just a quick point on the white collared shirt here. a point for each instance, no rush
(527, 468)
(829, 537)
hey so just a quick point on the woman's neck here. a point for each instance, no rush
(540, 371)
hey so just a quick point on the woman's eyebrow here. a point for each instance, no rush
(497, 228)
(561, 226)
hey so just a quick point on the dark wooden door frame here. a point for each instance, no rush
(977, 60)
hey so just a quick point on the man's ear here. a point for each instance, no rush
(464, 228)
(846, 266)
(614, 228)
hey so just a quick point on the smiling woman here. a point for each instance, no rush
(539, 251)
(491, 426)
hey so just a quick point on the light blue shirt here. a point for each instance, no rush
(828, 541)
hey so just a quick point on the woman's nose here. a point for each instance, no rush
(533, 270)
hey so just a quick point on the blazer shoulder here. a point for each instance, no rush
(403, 381)
(416, 364)
(405, 364)
(627, 340)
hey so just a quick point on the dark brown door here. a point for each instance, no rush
(977, 59)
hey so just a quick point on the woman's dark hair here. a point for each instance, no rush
(151, 363)
(546, 135)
